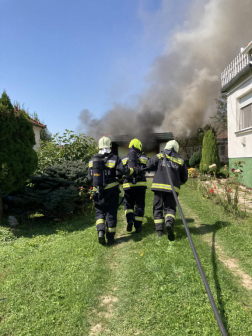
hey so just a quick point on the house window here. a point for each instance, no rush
(246, 111)
(246, 117)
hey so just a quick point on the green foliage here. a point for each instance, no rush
(69, 147)
(55, 193)
(221, 115)
(195, 159)
(210, 154)
(45, 135)
(18, 160)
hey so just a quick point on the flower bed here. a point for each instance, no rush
(228, 192)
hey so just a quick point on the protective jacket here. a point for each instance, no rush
(113, 167)
(140, 179)
(179, 173)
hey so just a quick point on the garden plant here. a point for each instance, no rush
(18, 159)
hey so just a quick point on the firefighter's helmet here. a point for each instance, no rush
(104, 142)
(136, 143)
(172, 144)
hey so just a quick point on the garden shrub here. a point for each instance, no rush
(55, 193)
(210, 154)
(69, 147)
(18, 159)
(195, 159)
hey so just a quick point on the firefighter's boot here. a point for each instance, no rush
(101, 237)
(160, 233)
(170, 233)
(130, 225)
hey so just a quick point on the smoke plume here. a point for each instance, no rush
(185, 80)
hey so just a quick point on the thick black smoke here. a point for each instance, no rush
(185, 79)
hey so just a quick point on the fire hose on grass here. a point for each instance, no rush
(209, 293)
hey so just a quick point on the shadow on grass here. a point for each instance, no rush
(47, 226)
(206, 229)
(200, 230)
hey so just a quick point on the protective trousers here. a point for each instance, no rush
(163, 201)
(134, 204)
(106, 205)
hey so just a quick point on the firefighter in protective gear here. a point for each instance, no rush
(103, 170)
(163, 196)
(135, 186)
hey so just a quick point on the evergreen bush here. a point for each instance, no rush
(195, 159)
(55, 193)
(18, 159)
(210, 154)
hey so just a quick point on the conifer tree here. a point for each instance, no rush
(195, 159)
(55, 193)
(210, 154)
(18, 160)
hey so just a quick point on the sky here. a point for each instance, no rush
(59, 57)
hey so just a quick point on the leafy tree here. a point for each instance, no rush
(195, 159)
(210, 154)
(69, 147)
(221, 115)
(18, 160)
(45, 135)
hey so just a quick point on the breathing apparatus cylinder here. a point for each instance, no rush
(98, 171)
(133, 161)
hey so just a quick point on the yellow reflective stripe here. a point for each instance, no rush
(110, 164)
(111, 229)
(128, 211)
(138, 184)
(164, 186)
(111, 185)
(100, 221)
(158, 221)
(131, 171)
(177, 160)
(90, 164)
(124, 161)
(139, 218)
(170, 215)
(180, 162)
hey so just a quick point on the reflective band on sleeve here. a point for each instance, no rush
(170, 215)
(156, 221)
(138, 184)
(111, 185)
(100, 221)
(131, 171)
(111, 229)
(177, 160)
(139, 218)
(128, 211)
(124, 161)
(143, 159)
(90, 164)
(164, 186)
(110, 164)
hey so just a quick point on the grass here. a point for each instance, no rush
(234, 234)
(55, 278)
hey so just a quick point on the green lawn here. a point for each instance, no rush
(57, 280)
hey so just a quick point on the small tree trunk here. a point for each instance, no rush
(1, 209)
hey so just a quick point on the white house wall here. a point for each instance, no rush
(36, 131)
(239, 142)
